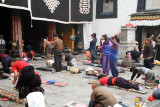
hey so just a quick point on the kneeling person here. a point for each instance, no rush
(28, 79)
(70, 59)
(149, 74)
(100, 97)
(6, 62)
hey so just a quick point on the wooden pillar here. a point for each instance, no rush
(144, 37)
(73, 33)
(16, 30)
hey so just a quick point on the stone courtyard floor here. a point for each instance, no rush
(77, 90)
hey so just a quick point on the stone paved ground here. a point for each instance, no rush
(77, 90)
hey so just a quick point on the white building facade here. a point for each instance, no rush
(108, 22)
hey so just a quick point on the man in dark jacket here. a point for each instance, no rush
(57, 45)
(93, 47)
(6, 62)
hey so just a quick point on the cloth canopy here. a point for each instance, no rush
(62, 11)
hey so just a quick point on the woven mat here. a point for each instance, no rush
(10, 95)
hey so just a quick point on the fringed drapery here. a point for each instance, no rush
(16, 30)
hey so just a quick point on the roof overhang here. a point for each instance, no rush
(147, 18)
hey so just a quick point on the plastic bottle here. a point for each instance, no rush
(137, 101)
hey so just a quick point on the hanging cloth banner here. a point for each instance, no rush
(61, 11)
(50, 10)
(81, 10)
(18, 4)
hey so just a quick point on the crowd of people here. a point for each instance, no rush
(109, 56)
(28, 80)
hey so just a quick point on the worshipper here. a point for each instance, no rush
(2, 41)
(153, 43)
(6, 62)
(149, 74)
(147, 54)
(92, 47)
(118, 81)
(157, 48)
(50, 38)
(100, 97)
(2, 44)
(28, 78)
(57, 45)
(47, 48)
(70, 59)
(79, 39)
(105, 53)
(49, 63)
(30, 55)
(114, 55)
(15, 50)
(102, 39)
(133, 54)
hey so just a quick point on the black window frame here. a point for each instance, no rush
(102, 15)
(141, 7)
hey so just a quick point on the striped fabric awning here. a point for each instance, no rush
(149, 18)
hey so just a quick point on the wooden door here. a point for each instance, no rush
(68, 42)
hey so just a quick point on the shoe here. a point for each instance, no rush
(137, 60)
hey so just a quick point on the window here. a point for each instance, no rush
(106, 9)
(108, 5)
(152, 4)
(148, 5)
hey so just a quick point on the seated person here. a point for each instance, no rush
(100, 97)
(133, 54)
(149, 74)
(70, 59)
(117, 81)
(6, 62)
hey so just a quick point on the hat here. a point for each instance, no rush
(55, 35)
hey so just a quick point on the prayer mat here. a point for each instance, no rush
(89, 77)
(131, 90)
(97, 65)
(10, 95)
(74, 104)
(60, 84)
(149, 84)
(87, 61)
(44, 69)
(37, 58)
